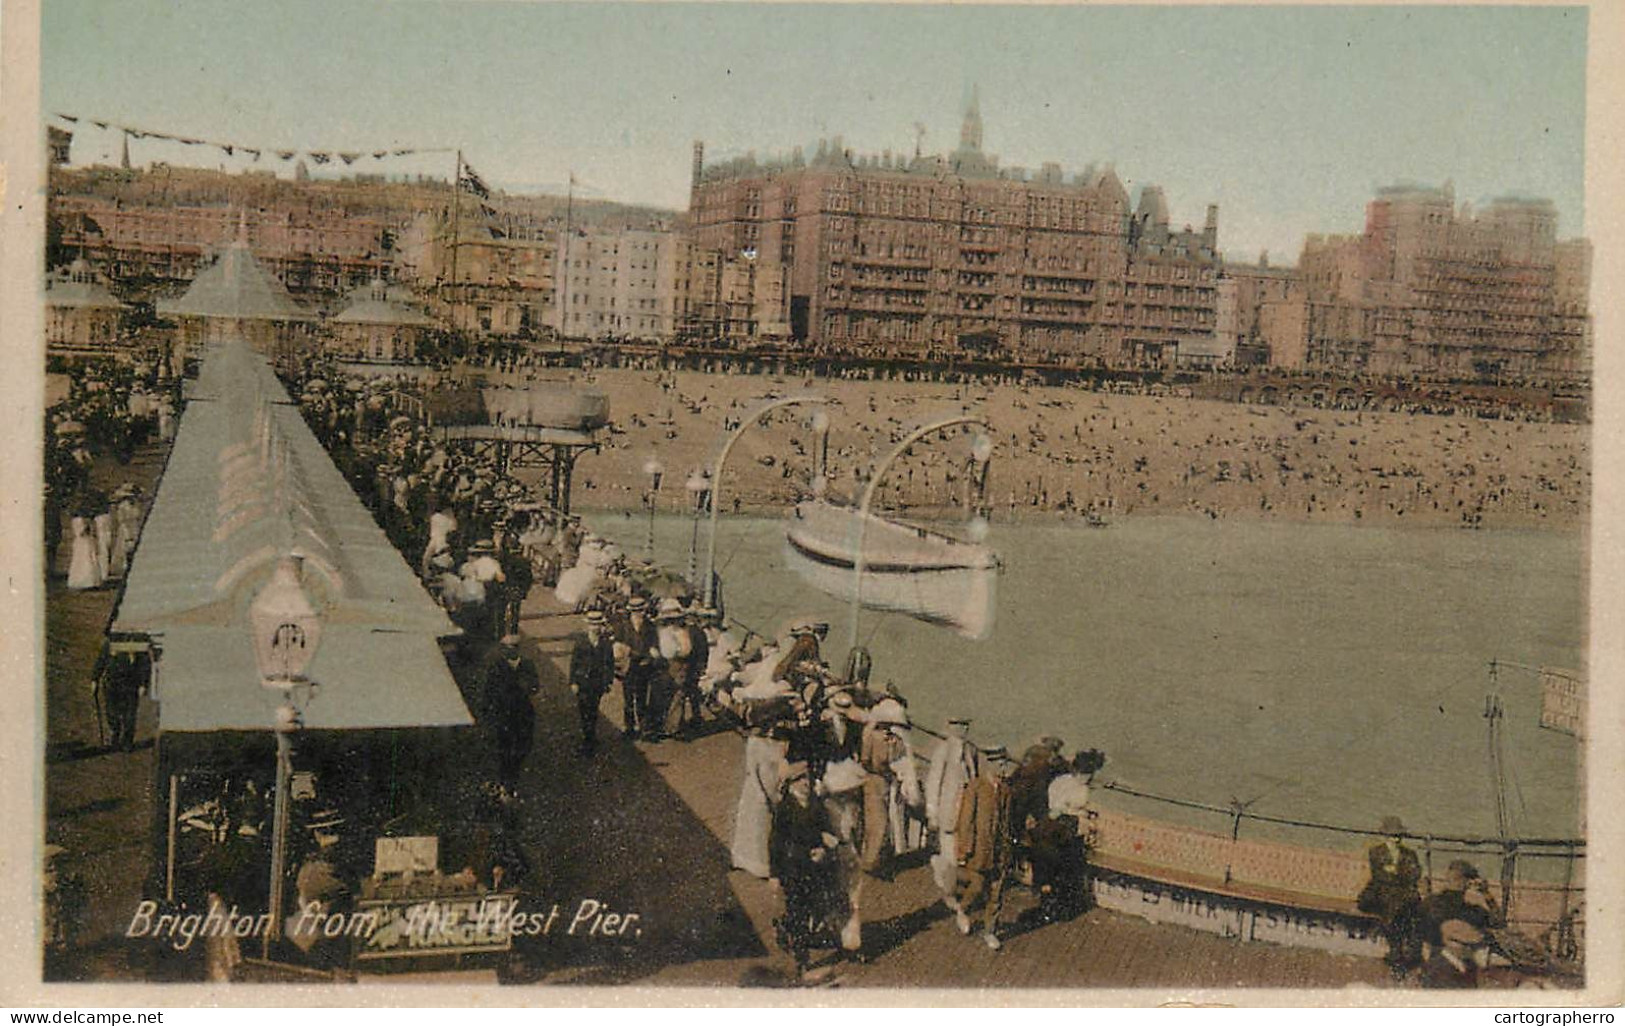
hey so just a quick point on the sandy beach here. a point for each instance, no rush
(1062, 451)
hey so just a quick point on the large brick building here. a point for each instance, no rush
(895, 255)
(1440, 290)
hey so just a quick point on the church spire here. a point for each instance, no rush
(970, 133)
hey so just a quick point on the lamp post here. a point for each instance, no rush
(286, 632)
(655, 472)
(699, 486)
(981, 449)
(716, 479)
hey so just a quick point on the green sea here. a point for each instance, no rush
(1334, 674)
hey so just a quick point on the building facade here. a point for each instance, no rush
(1434, 289)
(892, 255)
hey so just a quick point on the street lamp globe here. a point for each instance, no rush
(981, 447)
(655, 471)
(978, 529)
(820, 421)
(287, 628)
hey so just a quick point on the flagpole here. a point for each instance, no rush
(569, 232)
(456, 227)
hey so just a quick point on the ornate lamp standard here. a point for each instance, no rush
(981, 451)
(749, 420)
(699, 486)
(286, 632)
(650, 498)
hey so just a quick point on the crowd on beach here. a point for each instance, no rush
(1066, 452)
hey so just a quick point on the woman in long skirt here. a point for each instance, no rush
(84, 569)
(104, 539)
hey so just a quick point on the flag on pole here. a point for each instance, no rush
(472, 182)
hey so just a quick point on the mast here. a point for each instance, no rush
(1494, 713)
(564, 279)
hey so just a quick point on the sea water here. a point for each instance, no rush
(1328, 673)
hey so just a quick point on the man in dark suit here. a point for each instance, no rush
(501, 705)
(592, 671)
(1393, 897)
(637, 659)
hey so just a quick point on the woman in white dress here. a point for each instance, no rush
(104, 539)
(84, 570)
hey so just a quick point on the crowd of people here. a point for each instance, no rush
(1065, 452)
(1444, 939)
(108, 410)
(833, 794)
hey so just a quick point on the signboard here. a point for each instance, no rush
(406, 855)
(456, 925)
(1229, 916)
(1562, 702)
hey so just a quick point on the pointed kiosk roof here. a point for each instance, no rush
(375, 305)
(79, 288)
(236, 286)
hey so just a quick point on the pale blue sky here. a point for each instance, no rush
(1287, 117)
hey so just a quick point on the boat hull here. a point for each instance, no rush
(908, 570)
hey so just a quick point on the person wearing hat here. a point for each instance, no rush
(518, 577)
(637, 659)
(482, 582)
(1464, 896)
(954, 764)
(121, 673)
(693, 668)
(807, 860)
(1453, 965)
(984, 847)
(1056, 844)
(890, 786)
(803, 649)
(722, 652)
(1392, 896)
(126, 527)
(592, 671)
(503, 686)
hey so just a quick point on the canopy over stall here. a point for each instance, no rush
(246, 484)
(247, 494)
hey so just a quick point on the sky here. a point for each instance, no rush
(1288, 118)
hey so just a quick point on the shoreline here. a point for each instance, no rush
(1058, 452)
(770, 510)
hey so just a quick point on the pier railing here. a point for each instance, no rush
(1322, 867)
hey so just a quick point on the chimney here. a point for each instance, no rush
(1210, 230)
(697, 167)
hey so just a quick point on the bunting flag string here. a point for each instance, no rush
(231, 148)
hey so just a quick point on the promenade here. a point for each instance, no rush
(640, 829)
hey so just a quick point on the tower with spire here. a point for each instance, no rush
(970, 132)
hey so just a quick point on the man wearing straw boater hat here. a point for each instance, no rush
(954, 764)
(984, 847)
(592, 671)
(637, 649)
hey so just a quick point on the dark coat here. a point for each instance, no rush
(500, 698)
(592, 666)
(1392, 890)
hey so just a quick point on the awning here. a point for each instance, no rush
(365, 680)
(247, 484)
